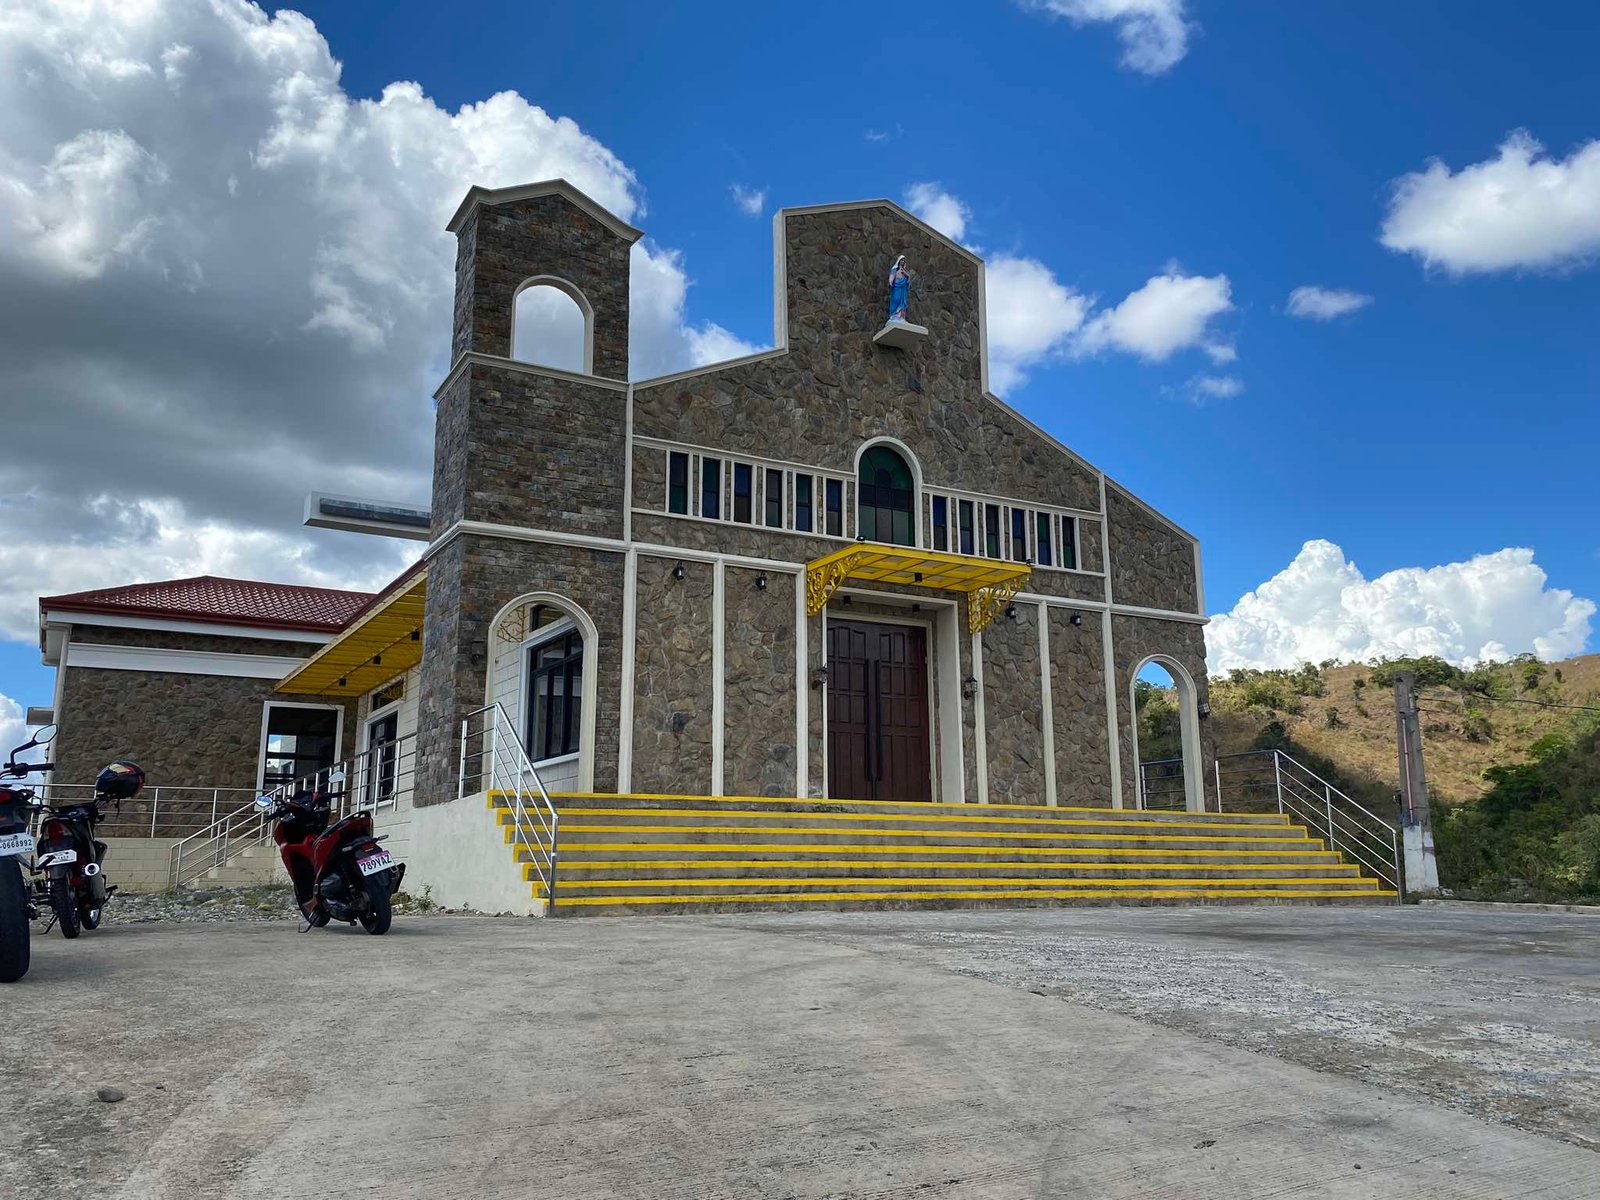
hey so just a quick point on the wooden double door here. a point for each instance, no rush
(878, 737)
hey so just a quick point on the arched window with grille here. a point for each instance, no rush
(887, 496)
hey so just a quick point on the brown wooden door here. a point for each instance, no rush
(878, 746)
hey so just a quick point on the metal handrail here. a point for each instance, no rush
(1347, 826)
(502, 765)
(377, 777)
(180, 805)
(1173, 773)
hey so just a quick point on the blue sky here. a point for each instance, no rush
(1451, 416)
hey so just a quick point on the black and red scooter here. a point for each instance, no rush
(339, 871)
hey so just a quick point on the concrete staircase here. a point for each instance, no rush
(655, 854)
(244, 867)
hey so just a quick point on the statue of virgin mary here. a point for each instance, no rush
(899, 289)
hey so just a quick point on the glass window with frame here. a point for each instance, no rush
(1043, 541)
(743, 493)
(1019, 534)
(774, 498)
(678, 482)
(1069, 543)
(833, 490)
(887, 498)
(300, 742)
(804, 518)
(964, 513)
(555, 696)
(991, 530)
(711, 488)
(941, 523)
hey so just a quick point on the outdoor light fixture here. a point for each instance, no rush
(916, 608)
(1075, 619)
(1204, 710)
(416, 635)
(678, 572)
(819, 675)
(342, 681)
(761, 582)
(917, 576)
(844, 602)
(377, 660)
(1011, 612)
(969, 687)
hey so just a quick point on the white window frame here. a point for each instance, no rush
(548, 633)
(266, 718)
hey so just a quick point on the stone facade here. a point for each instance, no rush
(673, 680)
(553, 453)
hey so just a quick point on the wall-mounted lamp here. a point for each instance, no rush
(1011, 612)
(1204, 710)
(678, 572)
(761, 582)
(969, 687)
(1075, 619)
(916, 576)
(844, 601)
(916, 608)
(819, 675)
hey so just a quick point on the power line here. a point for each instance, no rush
(1507, 700)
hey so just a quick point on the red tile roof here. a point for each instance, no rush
(225, 601)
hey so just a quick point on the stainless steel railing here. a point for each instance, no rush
(1161, 784)
(1272, 781)
(493, 761)
(158, 811)
(379, 777)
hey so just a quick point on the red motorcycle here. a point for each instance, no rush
(340, 872)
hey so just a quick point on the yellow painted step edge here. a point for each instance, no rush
(758, 864)
(577, 827)
(831, 848)
(1267, 818)
(941, 818)
(824, 898)
(986, 885)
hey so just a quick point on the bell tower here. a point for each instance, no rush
(536, 452)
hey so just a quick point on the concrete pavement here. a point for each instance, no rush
(785, 1056)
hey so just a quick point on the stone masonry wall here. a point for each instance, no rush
(469, 582)
(517, 447)
(759, 704)
(673, 681)
(503, 245)
(1152, 564)
(1078, 702)
(1134, 639)
(1012, 712)
(834, 388)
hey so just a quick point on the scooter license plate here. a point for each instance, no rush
(15, 843)
(374, 863)
(56, 858)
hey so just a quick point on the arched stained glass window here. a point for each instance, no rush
(887, 498)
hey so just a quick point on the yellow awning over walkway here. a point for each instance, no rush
(380, 644)
(988, 584)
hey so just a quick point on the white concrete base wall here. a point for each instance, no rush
(459, 851)
(138, 864)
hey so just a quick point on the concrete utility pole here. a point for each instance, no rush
(1422, 867)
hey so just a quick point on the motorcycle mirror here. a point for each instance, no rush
(43, 735)
(263, 801)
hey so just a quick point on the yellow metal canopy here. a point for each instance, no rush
(383, 642)
(989, 584)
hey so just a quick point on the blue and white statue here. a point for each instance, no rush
(899, 289)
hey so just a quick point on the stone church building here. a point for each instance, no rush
(839, 568)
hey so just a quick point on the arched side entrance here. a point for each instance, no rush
(544, 672)
(1192, 774)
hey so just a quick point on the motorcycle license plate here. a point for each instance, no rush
(56, 858)
(373, 863)
(15, 843)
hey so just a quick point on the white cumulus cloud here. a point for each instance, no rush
(1154, 33)
(1320, 606)
(1325, 304)
(1520, 209)
(750, 201)
(1030, 315)
(13, 729)
(225, 281)
(1171, 312)
(946, 213)
(1215, 387)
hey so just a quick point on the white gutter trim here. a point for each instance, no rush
(58, 617)
(179, 662)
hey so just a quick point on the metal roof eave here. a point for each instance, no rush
(384, 642)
